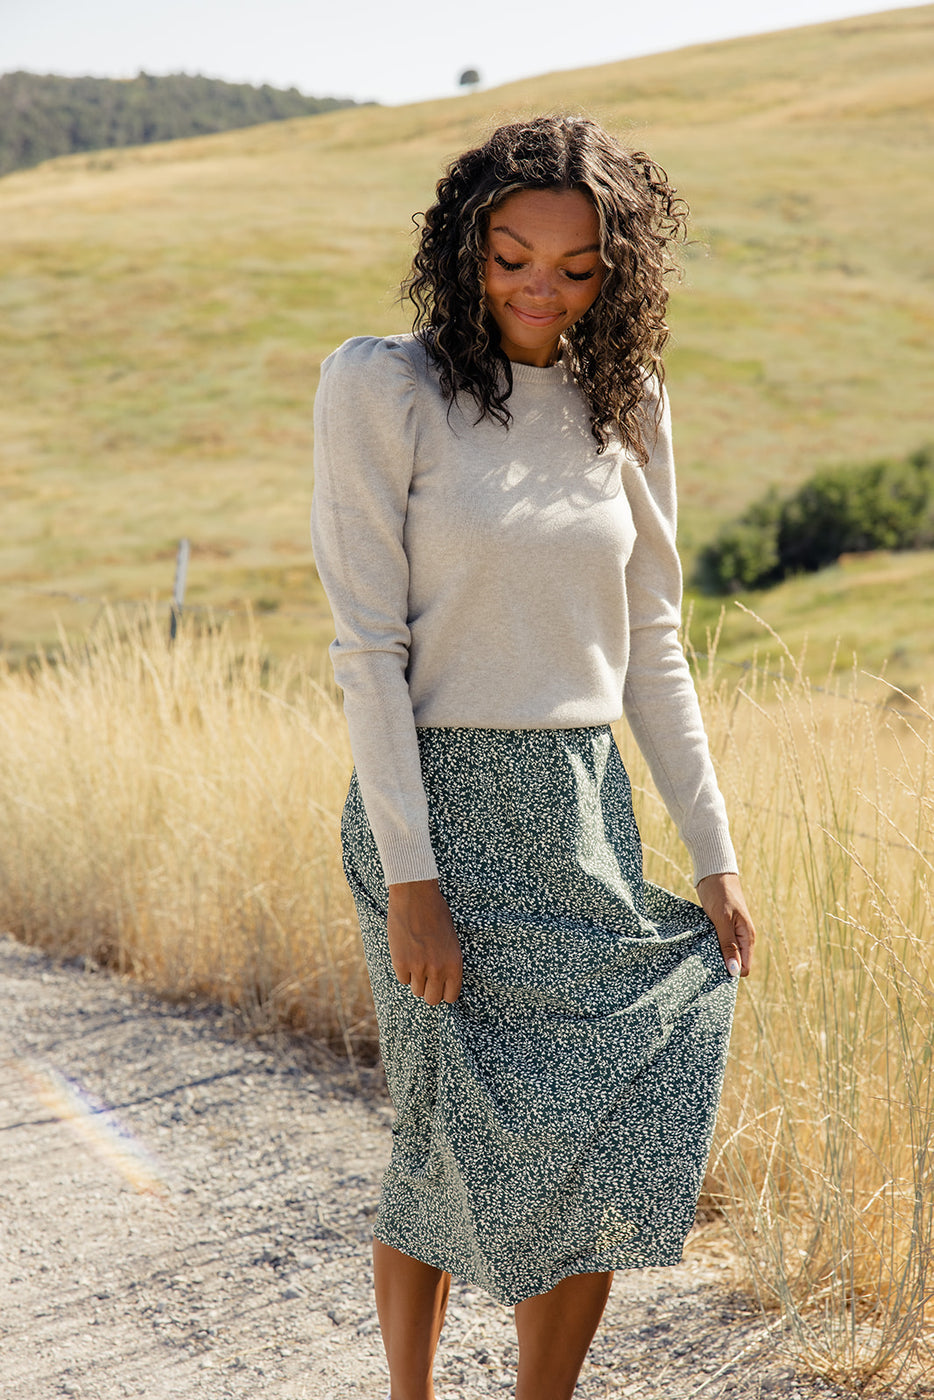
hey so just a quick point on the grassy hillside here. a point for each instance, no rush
(163, 312)
(872, 610)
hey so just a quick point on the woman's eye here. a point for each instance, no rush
(517, 266)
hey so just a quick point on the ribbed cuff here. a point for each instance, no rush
(406, 856)
(712, 853)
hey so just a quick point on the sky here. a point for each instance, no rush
(391, 51)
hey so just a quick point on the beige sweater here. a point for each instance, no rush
(481, 577)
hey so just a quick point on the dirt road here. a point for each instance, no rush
(186, 1213)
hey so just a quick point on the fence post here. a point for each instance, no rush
(178, 590)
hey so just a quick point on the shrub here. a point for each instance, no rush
(885, 505)
(745, 553)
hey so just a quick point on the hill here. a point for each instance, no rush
(165, 308)
(42, 115)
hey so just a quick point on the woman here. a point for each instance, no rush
(493, 522)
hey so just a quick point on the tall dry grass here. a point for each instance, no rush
(174, 812)
(824, 1163)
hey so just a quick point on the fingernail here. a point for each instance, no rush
(733, 968)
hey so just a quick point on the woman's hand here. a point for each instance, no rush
(725, 907)
(425, 953)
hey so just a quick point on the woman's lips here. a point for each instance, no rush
(535, 318)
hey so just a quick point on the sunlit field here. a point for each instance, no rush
(164, 311)
(173, 812)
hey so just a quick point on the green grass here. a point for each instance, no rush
(164, 310)
(874, 609)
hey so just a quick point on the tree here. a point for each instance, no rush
(46, 116)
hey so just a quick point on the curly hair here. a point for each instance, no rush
(619, 340)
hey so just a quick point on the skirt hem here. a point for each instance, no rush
(609, 1263)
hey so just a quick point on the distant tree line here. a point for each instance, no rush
(45, 116)
(882, 505)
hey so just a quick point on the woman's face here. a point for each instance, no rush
(543, 270)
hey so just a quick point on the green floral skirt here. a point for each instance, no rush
(557, 1118)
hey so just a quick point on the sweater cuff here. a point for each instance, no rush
(712, 853)
(406, 856)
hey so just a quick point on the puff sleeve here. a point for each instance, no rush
(659, 699)
(365, 438)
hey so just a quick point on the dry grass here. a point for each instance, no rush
(824, 1164)
(174, 813)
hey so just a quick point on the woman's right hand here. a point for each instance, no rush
(423, 945)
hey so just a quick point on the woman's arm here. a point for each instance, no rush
(365, 430)
(659, 697)
(661, 702)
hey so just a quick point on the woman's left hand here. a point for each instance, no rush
(725, 907)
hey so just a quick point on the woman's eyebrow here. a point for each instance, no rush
(574, 253)
(504, 228)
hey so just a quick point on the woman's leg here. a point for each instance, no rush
(555, 1330)
(411, 1299)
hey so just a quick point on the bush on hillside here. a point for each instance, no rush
(745, 552)
(885, 505)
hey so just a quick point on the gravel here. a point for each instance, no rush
(186, 1211)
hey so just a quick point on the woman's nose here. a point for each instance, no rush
(540, 283)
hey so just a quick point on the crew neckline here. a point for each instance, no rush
(536, 374)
